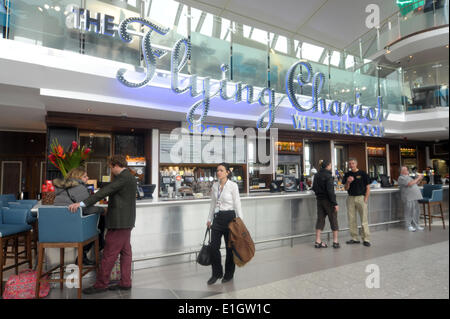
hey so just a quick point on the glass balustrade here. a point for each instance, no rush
(255, 56)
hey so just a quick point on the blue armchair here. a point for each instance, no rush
(432, 195)
(8, 198)
(59, 228)
(13, 224)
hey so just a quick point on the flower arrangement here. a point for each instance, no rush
(65, 161)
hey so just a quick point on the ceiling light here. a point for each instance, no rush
(89, 109)
(410, 56)
(46, 6)
(57, 8)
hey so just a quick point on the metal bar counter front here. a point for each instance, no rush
(174, 229)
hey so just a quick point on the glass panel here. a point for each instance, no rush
(391, 89)
(421, 80)
(107, 47)
(317, 67)
(441, 12)
(418, 19)
(44, 23)
(341, 85)
(4, 18)
(279, 66)
(442, 80)
(169, 14)
(366, 83)
(249, 61)
(209, 54)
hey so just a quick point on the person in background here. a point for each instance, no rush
(427, 178)
(73, 189)
(119, 222)
(357, 184)
(410, 194)
(225, 205)
(323, 187)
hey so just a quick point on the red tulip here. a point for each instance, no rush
(74, 145)
(87, 151)
(60, 151)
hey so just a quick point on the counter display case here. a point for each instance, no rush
(195, 179)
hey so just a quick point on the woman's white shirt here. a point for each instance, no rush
(229, 199)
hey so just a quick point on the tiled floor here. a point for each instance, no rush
(411, 265)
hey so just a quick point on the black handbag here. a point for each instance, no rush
(204, 256)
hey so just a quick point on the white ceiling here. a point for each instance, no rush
(329, 23)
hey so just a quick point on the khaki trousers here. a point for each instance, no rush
(356, 203)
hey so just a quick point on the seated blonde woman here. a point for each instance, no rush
(73, 189)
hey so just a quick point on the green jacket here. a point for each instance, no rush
(122, 201)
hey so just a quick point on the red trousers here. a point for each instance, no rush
(117, 242)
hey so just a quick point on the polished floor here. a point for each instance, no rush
(403, 264)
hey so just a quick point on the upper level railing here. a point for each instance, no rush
(255, 56)
(411, 18)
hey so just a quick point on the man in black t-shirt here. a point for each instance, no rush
(357, 184)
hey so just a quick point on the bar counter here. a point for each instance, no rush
(171, 231)
(175, 228)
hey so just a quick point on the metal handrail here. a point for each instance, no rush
(383, 23)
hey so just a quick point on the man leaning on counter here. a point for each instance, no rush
(119, 221)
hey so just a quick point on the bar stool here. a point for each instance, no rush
(12, 227)
(59, 228)
(432, 195)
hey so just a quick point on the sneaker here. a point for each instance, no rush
(351, 241)
(411, 228)
(420, 228)
(366, 243)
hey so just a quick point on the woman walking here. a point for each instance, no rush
(225, 205)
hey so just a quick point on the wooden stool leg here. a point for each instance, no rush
(28, 249)
(430, 220)
(1, 265)
(5, 251)
(80, 269)
(424, 214)
(61, 269)
(16, 253)
(39, 268)
(442, 215)
(97, 252)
